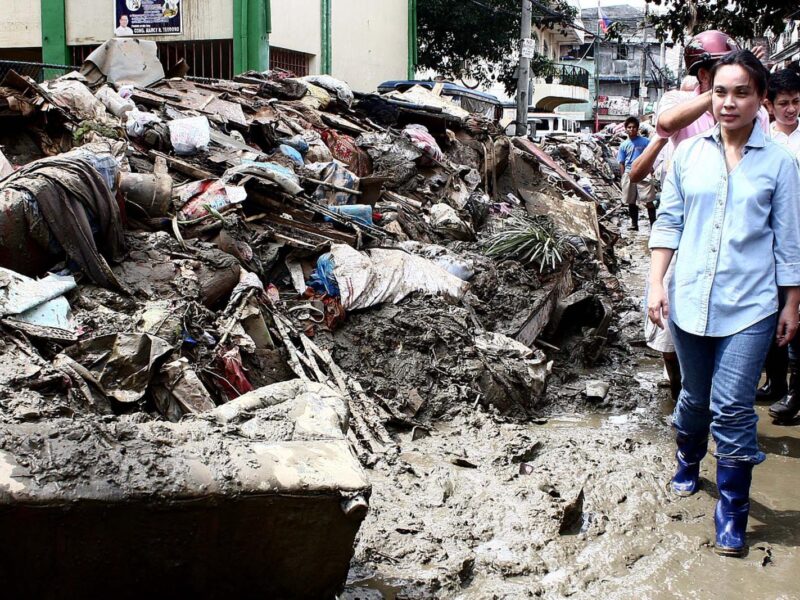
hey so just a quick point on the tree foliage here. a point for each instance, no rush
(477, 39)
(742, 19)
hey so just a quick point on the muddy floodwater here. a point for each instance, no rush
(574, 504)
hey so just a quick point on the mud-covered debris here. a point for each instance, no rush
(596, 390)
(572, 514)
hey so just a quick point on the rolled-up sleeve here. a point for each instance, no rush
(668, 101)
(668, 228)
(785, 222)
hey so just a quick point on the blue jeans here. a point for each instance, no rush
(719, 377)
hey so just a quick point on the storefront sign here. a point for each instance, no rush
(147, 17)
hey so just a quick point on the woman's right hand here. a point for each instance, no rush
(658, 305)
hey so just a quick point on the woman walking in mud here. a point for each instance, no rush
(730, 207)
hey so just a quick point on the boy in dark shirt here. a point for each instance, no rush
(643, 191)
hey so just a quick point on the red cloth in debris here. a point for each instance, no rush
(334, 311)
(236, 382)
(343, 147)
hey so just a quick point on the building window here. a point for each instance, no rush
(289, 60)
(622, 52)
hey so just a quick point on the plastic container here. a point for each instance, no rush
(360, 213)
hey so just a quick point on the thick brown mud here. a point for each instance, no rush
(574, 503)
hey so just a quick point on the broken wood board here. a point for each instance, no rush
(571, 216)
(545, 305)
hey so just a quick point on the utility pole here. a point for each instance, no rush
(526, 50)
(643, 73)
(597, 73)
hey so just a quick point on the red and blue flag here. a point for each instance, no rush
(603, 21)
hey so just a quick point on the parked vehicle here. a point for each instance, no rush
(541, 124)
(481, 103)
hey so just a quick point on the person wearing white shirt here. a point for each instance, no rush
(783, 102)
(123, 29)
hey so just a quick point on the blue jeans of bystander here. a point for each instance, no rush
(719, 377)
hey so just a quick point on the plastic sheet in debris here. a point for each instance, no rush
(380, 275)
(37, 307)
(322, 279)
(189, 136)
(463, 268)
(278, 174)
(120, 365)
(360, 213)
(124, 60)
(77, 99)
(335, 86)
(5, 166)
(446, 222)
(137, 122)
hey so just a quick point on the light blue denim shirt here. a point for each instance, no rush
(737, 234)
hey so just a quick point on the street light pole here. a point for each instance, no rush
(523, 81)
(643, 73)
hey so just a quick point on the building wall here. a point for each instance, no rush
(20, 24)
(92, 21)
(369, 41)
(297, 25)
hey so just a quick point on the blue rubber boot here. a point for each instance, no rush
(733, 506)
(691, 450)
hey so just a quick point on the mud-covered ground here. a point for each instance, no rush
(573, 502)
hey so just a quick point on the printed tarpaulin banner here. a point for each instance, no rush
(147, 17)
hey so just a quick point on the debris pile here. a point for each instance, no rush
(208, 239)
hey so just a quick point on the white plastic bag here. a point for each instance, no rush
(137, 121)
(382, 275)
(189, 136)
(445, 221)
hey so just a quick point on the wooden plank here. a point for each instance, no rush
(544, 307)
(182, 166)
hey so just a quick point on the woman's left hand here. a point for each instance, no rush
(787, 324)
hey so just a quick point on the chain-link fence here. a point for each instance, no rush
(36, 71)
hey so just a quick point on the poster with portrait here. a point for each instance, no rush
(147, 17)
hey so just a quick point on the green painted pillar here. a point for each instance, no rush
(413, 43)
(239, 36)
(325, 49)
(252, 25)
(54, 32)
(258, 26)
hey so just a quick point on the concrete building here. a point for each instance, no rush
(785, 48)
(616, 68)
(360, 41)
(569, 83)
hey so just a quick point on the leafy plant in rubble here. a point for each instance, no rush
(531, 241)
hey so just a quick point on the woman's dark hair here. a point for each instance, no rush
(748, 61)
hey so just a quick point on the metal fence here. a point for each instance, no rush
(572, 75)
(37, 71)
